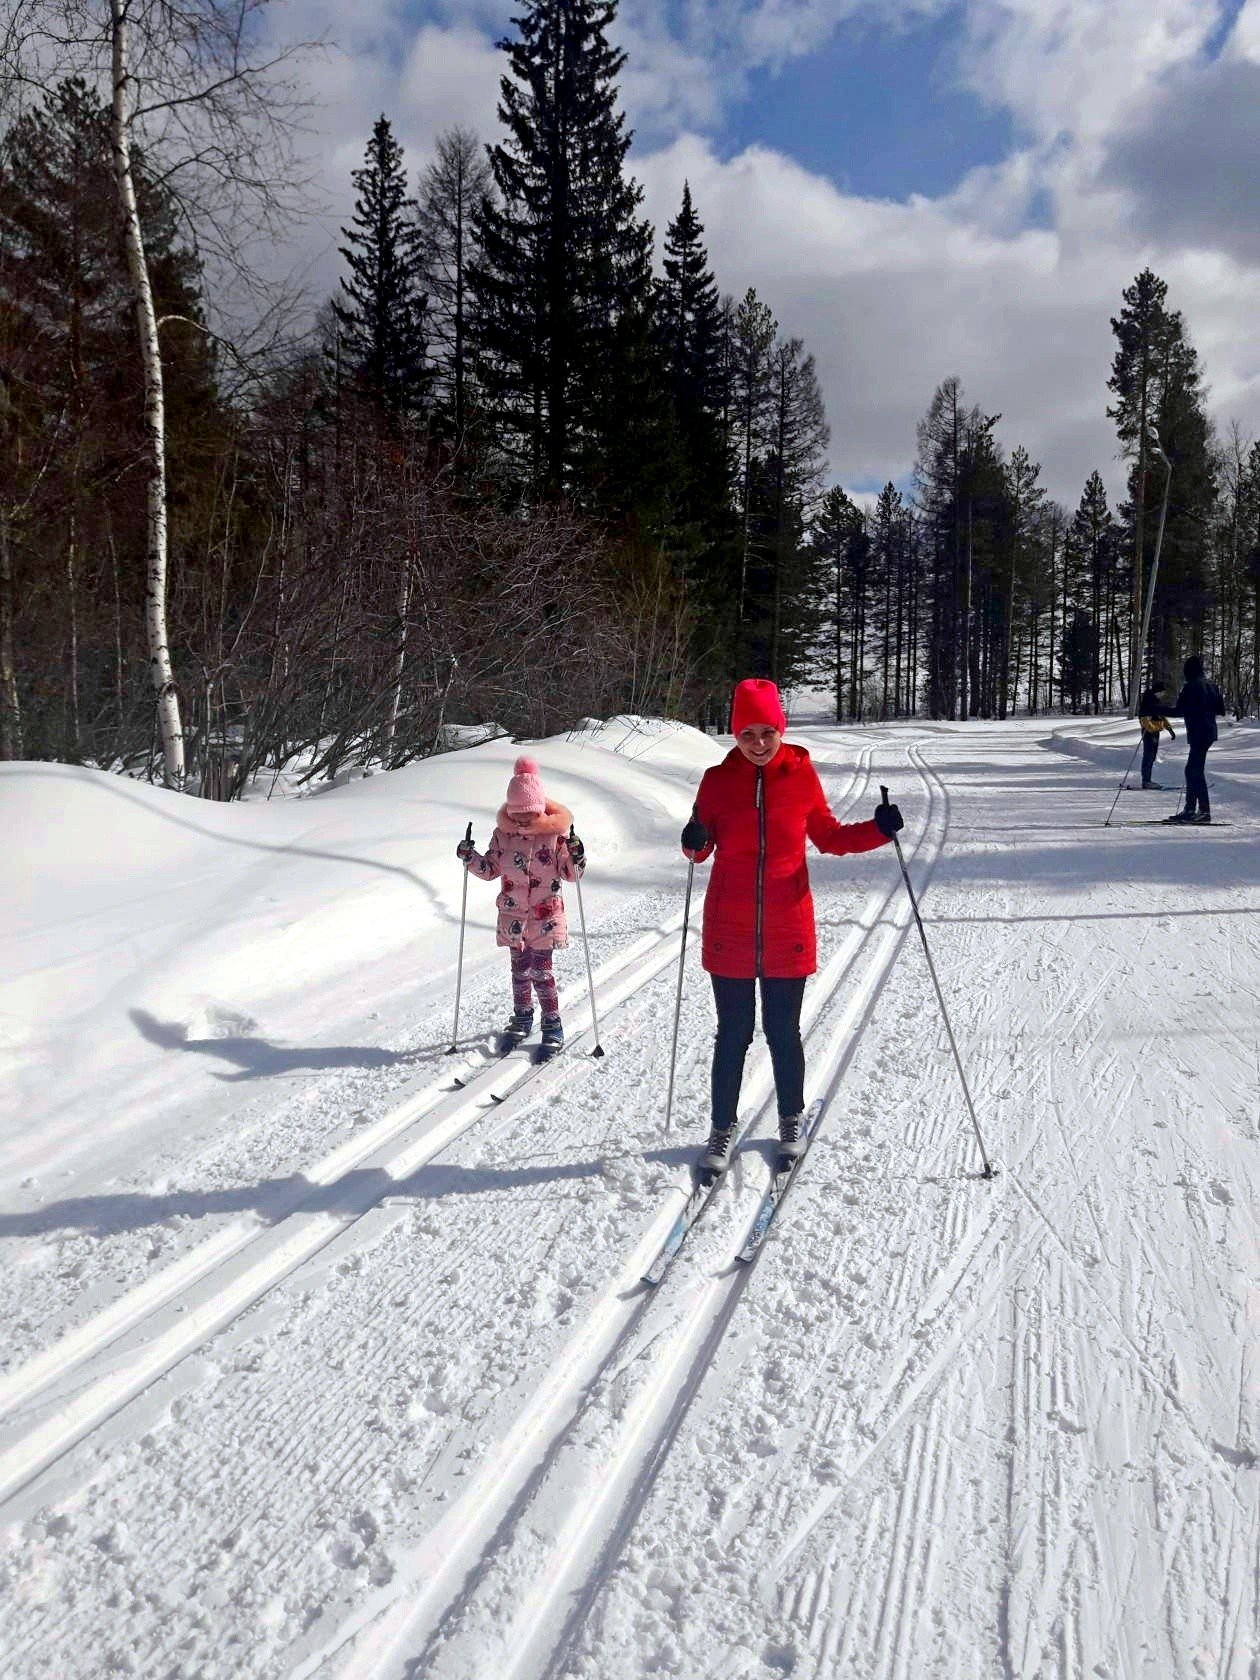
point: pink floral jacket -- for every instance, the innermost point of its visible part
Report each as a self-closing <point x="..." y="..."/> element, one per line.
<point x="530" y="863"/>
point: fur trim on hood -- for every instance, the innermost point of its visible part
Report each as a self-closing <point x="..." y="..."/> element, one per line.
<point x="556" y="819"/>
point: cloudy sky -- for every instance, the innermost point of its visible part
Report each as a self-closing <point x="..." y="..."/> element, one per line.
<point x="916" y="187"/>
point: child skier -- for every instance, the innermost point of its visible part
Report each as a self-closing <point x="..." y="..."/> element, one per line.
<point x="754" y="810"/>
<point x="530" y="854"/>
<point x="1153" y="722"/>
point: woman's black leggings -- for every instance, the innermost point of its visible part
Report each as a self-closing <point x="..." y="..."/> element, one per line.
<point x="781" y="1023"/>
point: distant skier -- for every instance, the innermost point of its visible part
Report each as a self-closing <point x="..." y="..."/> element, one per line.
<point x="531" y="855"/>
<point x="755" y="810"/>
<point x="1200" y="704"/>
<point x="1153" y="722"/>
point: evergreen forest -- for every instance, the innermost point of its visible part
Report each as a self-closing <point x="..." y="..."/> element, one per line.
<point x="532" y="462"/>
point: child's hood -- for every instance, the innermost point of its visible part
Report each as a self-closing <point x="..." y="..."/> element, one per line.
<point x="556" y="819"/>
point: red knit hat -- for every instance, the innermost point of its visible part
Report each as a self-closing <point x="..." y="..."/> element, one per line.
<point x="756" y="705"/>
<point x="525" y="790"/>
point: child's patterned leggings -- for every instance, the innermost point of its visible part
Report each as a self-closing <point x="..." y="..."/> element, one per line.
<point x="533" y="969"/>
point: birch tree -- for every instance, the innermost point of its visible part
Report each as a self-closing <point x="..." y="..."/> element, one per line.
<point x="190" y="83"/>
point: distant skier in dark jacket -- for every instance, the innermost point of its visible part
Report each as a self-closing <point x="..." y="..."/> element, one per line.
<point x="1151" y="717"/>
<point x="1200" y="704"/>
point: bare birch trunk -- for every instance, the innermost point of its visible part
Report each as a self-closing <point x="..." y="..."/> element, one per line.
<point x="400" y="658"/>
<point x="10" y="707"/>
<point x="168" y="716"/>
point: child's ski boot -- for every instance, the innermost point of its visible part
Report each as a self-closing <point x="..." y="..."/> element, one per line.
<point x="552" y="1038"/>
<point x="517" y="1030"/>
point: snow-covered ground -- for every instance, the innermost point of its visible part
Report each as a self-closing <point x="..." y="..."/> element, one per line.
<point x="318" y="1365"/>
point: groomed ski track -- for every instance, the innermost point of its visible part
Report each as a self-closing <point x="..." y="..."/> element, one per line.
<point x="425" y="1422"/>
<point x="581" y="1461"/>
<point x="183" y="1305"/>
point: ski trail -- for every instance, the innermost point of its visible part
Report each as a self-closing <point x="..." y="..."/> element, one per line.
<point x="585" y="1511"/>
<point x="181" y="1307"/>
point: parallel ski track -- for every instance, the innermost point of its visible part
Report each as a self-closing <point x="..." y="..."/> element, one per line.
<point x="59" y="1396"/>
<point x="221" y="1277"/>
<point x="414" y="1626"/>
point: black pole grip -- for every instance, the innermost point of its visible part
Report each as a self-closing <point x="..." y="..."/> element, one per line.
<point x="883" y="792"/>
<point x="468" y="835"/>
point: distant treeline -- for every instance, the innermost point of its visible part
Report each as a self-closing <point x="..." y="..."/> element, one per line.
<point x="522" y="472"/>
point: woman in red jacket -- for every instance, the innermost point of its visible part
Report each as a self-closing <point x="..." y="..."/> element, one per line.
<point x="754" y="811"/>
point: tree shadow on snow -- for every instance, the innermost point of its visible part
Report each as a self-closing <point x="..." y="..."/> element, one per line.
<point x="274" y="1199"/>
<point x="256" y="1058"/>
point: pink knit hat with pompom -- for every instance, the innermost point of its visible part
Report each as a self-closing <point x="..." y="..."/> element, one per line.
<point x="525" y="790"/>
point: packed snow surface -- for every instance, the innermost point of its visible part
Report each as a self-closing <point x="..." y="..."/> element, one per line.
<point x="326" y="1353"/>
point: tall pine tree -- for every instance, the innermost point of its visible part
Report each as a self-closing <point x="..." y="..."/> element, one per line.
<point x="381" y="313"/>
<point x="563" y="257"/>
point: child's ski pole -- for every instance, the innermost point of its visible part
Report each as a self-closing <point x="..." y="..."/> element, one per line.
<point x="586" y="946"/>
<point x="459" y="971"/>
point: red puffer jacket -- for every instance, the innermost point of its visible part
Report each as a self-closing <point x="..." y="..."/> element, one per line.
<point x="759" y="913"/>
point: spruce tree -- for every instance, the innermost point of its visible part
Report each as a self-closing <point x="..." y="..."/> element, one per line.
<point x="688" y="311"/>
<point x="563" y="257"/>
<point x="691" y="328"/>
<point x="753" y="336"/>
<point x="1137" y="329"/>
<point x="1025" y="498"/>
<point x="842" y="543"/>
<point x="1092" y="577"/>
<point x="1158" y="388"/>
<point x="381" y="313"/>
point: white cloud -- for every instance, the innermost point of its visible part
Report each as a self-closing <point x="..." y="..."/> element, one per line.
<point x="891" y="297"/>
<point x="1244" y="41"/>
<point x="450" y="76"/>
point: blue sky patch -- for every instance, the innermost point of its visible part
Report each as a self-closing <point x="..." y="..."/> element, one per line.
<point x="877" y="111"/>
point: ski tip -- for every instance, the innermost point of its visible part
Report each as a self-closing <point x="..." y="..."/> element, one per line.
<point x="497" y="1099"/>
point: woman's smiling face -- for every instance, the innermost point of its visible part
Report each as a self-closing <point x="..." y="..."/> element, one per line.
<point x="759" y="743"/>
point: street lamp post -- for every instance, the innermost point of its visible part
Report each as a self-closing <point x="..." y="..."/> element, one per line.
<point x="1135" y="681"/>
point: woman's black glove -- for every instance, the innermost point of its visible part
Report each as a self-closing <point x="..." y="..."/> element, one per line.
<point x="695" y="837"/>
<point x="888" y="819"/>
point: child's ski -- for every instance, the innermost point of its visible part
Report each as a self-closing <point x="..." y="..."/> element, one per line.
<point x="779" y="1187"/>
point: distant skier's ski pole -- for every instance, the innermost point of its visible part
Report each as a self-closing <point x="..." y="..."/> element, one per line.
<point x="940" y="998"/>
<point x="1120" y="789"/>
<point x="459" y="971"/>
<point x="586" y="946"/>
<point x="682" y="958"/>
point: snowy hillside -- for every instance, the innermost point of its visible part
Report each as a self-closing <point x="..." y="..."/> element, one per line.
<point x="317" y="1364"/>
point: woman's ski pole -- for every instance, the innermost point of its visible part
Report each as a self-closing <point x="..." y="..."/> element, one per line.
<point x="459" y="971"/>
<point x="1120" y="789"/>
<point x="586" y="946"/>
<point x="940" y="998"/>
<point x="682" y="958"/>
